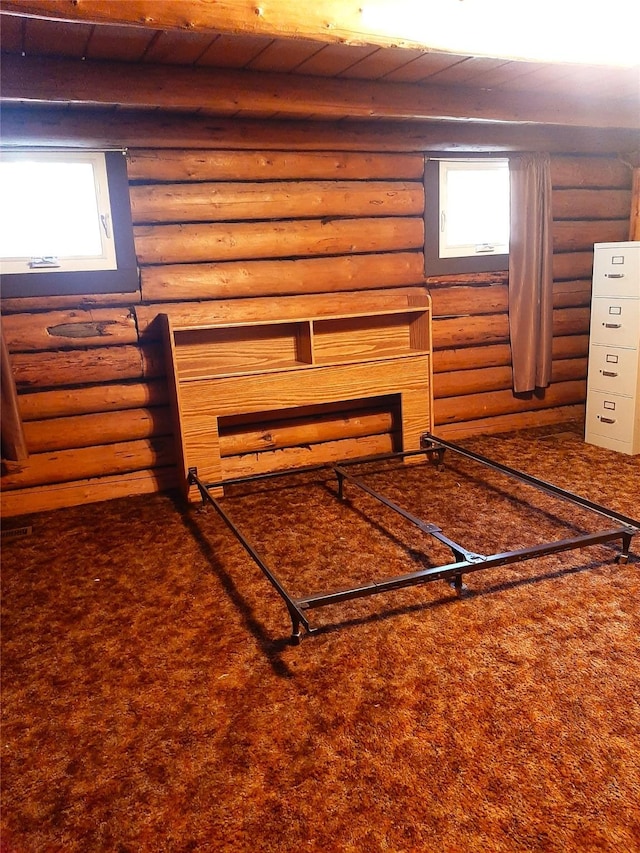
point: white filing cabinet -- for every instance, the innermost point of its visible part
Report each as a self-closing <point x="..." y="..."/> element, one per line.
<point x="613" y="389"/>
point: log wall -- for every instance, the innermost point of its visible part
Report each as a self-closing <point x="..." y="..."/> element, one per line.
<point x="223" y="235"/>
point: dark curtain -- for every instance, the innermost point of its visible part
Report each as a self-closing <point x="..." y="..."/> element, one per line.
<point x="530" y="271"/>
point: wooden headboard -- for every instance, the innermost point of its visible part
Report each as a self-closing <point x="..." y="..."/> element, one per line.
<point x="377" y="344"/>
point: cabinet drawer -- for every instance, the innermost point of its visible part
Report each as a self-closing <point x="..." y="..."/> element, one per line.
<point x="613" y="370"/>
<point x="613" y="416"/>
<point x="615" y="322"/>
<point x="616" y="269"/>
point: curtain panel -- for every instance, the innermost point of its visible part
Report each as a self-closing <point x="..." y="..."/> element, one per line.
<point x="530" y="271"/>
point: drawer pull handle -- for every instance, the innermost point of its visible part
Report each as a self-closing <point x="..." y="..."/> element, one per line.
<point x="612" y="325"/>
<point x="614" y="275"/>
<point x="608" y="373"/>
<point x="607" y="420"/>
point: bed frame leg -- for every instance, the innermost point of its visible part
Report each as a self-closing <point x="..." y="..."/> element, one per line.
<point x="296" y="633"/>
<point x="458" y="585"/>
<point x="623" y="557"/>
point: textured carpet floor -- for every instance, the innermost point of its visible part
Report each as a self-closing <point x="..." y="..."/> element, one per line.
<point x="151" y="702"/>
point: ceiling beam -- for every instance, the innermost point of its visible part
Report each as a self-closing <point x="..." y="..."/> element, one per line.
<point x="96" y="128"/>
<point x="343" y="21"/>
<point x="63" y="81"/>
<point x="440" y="25"/>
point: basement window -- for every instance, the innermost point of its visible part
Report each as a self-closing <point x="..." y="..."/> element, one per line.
<point x="466" y="215"/>
<point x="65" y="223"/>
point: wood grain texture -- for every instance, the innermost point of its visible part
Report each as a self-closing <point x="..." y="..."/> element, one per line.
<point x="208" y="165"/>
<point x="83" y="302"/>
<point x="591" y="203"/>
<point x="162" y="244"/>
<point x="165" y="131"/>
<point x="199" y="413"/>
<point x="224" y="91"/>
<point x="57" y="330"/>
<point x="492" y="403"/>
<point x="496" y="355"/>
<point x="92" y="399"/>
<point x="99" y="428"/>
<point x="458" y="383"/>
<point x="232" y="201"/>
<point x="303" y="431"/>
<point x="287" y="307"/>
<point x="577" y="236"/>
<point x="86" y="367"/>
<point x="85" y="462"/>
<point x="572" y="265"/>
<point x="43" y="498"/>
<point x="313" y="454"/>
<point x="589" y="172"/>
<point x="505" y="423"/>
<point x="277" y="277"/>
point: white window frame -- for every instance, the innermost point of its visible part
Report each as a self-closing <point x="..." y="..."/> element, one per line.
<point x="448" y="248"/>
<point x="106" y="258"/>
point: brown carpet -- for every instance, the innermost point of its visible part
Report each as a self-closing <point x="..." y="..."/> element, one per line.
<point x="151" y="702"/>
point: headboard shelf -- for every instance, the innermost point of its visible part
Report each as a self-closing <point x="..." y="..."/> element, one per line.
<point x="241" y="349"/>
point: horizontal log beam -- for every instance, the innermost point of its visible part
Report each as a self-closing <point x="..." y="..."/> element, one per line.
<point x="141" y="129"/>
<point x="315" y="454"/>
<point x="90" y="367"/>
<point x="507" y="423"/>
<point x="579" y="236"/>
<point x="170" y="244"/>
<point x="111" y="397"/>
<point x="65" y="433"/>
<point x="572" y="265"/>
<point x="108" y="84"/>
<point x="589" y="173"/>
<point x="462" y="382"/>
<point x="79" y="464"/>
<point x="69" y="329"/>
<point x="385" y="23"/>
<point x="220" y="202"/>
<point x="81" y="301"/>
<point x="206" y="165"/>
<point x="491" y="403"/>
<point x="300" y="431"/>
<point x="591" y="204"/>
<point x="460" y="300"/>
<point x="496" y="355"/>
<point x="233" y="279"/>
<point x="494" y="328"/>
<point x="77" y="493"/>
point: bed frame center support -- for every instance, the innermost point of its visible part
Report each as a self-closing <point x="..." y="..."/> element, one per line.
<point x="460" y="553"/>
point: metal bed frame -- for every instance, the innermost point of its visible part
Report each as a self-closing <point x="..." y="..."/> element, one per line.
<point x="464" y="560"/>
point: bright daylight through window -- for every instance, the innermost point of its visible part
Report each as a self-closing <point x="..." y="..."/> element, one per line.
<point x="474" y="208"/>
<point x="55" y="213"/>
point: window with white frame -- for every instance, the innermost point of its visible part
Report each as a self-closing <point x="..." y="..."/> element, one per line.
<point x="474" y="208"/>
<point x="65" y="223"/>
<point x="466" y="215"/>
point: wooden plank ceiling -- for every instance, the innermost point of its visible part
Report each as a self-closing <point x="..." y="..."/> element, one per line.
<point x="253" y="74"/>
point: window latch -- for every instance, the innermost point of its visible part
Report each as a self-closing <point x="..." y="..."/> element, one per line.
<point x="44" y="263"/>
<point x="484" y="248"/>
<point x="105" y="224"/>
